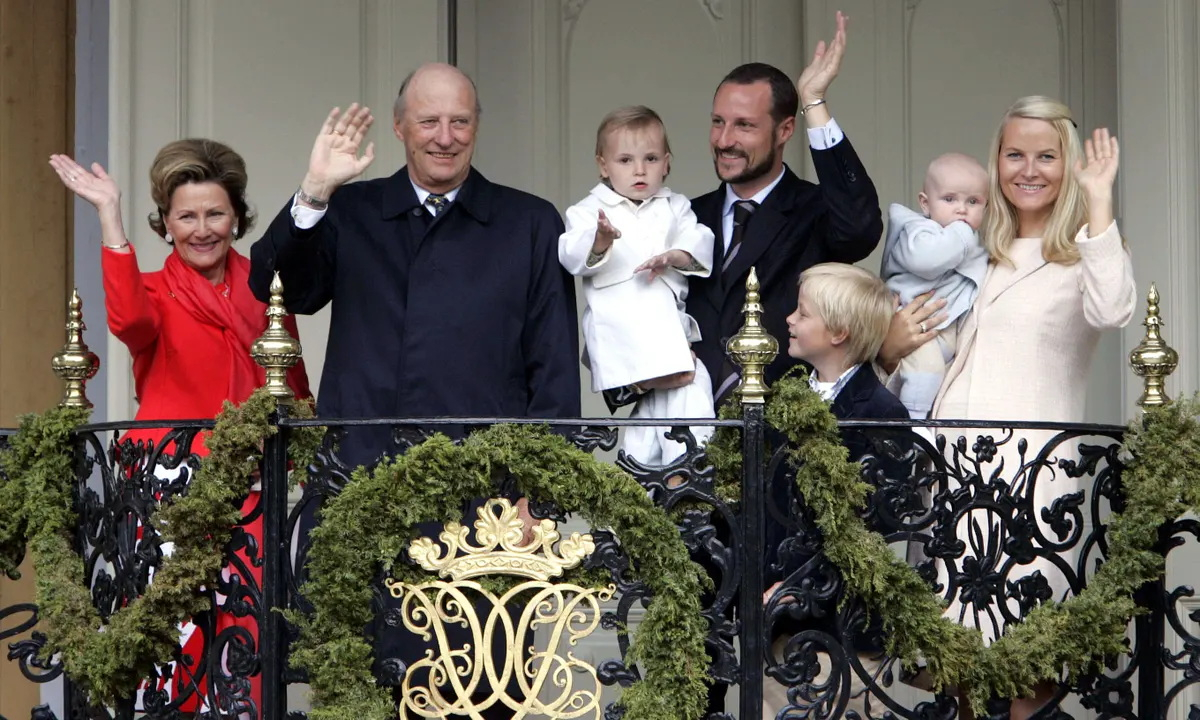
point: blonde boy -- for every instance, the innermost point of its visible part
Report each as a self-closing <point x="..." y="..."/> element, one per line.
<point x="842" y="314"/>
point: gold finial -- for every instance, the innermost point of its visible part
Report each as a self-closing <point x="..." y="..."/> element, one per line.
<point x="752" y="348"/>
<point x="276" y="350"/>
<point x="1153" y="359"/>
<point x="75" y="364"/>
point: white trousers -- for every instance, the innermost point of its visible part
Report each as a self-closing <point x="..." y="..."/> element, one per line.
<point x="649" y="445"/>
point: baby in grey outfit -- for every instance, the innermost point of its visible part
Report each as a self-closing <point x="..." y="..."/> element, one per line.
<point x="937" y="249"/>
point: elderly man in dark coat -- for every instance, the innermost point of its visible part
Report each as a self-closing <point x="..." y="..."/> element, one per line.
<point x="448" y="298"/>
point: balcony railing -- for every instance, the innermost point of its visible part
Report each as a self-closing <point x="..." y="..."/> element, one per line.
<point x="964" y="503"/>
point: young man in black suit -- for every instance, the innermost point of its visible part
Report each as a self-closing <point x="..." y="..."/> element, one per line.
<point x="764" y="215"/>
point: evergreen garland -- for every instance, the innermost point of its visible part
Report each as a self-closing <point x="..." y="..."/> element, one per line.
<point x="1161" y="482"/>
<point x="36" y="507"/>
<point x="374" y="518"/>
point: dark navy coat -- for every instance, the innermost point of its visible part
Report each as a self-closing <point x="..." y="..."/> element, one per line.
<point x="467" y="314"/>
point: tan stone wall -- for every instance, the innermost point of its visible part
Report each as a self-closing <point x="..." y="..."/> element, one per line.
<point x="36" y="111"/>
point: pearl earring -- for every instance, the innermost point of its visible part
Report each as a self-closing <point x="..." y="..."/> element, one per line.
<point x="170" y="240"/>
<point x="235" y="229"/>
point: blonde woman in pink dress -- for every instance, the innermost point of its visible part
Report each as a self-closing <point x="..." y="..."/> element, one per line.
<point x="1059" y="275"/>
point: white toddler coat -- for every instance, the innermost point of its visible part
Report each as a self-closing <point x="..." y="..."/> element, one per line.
<point x="635" y="328"/>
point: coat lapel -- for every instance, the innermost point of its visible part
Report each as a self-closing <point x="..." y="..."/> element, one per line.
<point x="856" y="391"/>
<point x="1012" y="280"/>
<point x="765" y="225"/>
<point x="970" y="326"/>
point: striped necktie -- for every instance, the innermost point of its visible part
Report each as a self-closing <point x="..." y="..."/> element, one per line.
<point x="742" y="210"/>
<point x="730" y="374"/>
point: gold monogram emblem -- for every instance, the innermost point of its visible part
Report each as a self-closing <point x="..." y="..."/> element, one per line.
<point x="467" y="678"/>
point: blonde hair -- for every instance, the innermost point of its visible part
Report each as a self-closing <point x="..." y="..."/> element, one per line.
<point x="631" y="117"/>
<point x="1070" y="208"/>
<point x="851" y="300"/>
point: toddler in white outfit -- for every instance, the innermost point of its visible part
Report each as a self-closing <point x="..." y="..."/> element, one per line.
<point x="634" y="242"/>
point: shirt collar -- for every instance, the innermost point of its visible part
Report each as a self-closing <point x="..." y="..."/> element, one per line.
<point x="829" y="390"/>
<point x="423" y="194"/>
<point x="401" y="194"/>
<point x="758" y="197"/>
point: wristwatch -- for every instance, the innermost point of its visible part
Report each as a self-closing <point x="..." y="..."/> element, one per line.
<point x="312" y="201"/>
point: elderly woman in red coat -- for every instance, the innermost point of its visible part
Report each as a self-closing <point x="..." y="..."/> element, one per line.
<point x="190" y="325"/>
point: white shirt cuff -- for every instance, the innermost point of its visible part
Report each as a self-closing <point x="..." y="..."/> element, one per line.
<point x="826" y="136"/>
<point x="303" y="216"/>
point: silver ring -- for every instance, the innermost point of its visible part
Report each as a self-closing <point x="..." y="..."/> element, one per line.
<point x="72" y="177"/>
<point x="923" y="330"/>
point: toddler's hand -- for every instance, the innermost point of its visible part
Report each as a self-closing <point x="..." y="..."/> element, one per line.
<point x="658" y="264"/>
<point x="605" y="234"/>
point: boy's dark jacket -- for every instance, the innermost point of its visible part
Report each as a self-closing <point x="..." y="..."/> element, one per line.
<point x="862" y="398"/>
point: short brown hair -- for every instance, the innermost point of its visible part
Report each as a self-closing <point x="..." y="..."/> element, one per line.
<point x="198" y="160"/>
<point x="631" y="117"/>
<point x="851" y="300"/>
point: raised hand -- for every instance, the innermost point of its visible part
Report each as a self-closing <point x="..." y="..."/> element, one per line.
<point x="1102" y="156"/>
<point x="99" y="189"/>
<point x="605" y="234"/>
<point x="95" y="185"/>
<point x="1096" y="178"/>
<point x="827" y="60"/>
<point x="334" y="160"/>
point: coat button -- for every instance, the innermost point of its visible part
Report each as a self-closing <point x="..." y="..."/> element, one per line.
<point x="852" y="176"/>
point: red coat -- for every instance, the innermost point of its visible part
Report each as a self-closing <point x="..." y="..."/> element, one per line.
<point x="181" y="365"/>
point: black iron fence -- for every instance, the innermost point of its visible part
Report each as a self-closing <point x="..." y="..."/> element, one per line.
<point x="996" y="517"/>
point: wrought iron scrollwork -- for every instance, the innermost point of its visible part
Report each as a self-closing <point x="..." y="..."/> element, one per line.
<point x="998" y="520"/>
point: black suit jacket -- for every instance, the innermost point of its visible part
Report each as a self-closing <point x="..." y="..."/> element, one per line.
<point x="798" y="225"/>
<point x="863" y="397"/>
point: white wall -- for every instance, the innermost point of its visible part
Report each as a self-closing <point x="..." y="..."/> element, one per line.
<point x="259" y="76"/>
<point x="921" y="77"/>
<point x="1160" y="168"/>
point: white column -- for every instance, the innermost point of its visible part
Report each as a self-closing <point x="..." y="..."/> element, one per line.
<point x="1160" y="170"/>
